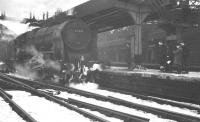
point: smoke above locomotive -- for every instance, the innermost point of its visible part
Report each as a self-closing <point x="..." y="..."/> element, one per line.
<point x="49" y="49"/>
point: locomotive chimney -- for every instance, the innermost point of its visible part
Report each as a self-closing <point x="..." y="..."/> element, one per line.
<point x="30" y="15"/>
<point x="43" y="16"/>
<point x="47" y="15"/>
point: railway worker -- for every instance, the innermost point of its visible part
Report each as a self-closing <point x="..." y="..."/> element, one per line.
<point x="68" y="73"/>
<point x="178" y="56"/>
<point x="162" y="51"/>
<point x="151" y="56"/>
<point x="186" y="54"/>
<point x="82" y="63"/>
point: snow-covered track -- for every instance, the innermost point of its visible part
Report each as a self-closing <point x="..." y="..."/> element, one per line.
<point x="163" y="113"/>
<point x="39" y="93"/>
<point x="109" y="112"/>
<point x="180" y="104"/>
<point x="124" y="116"/>
<point x="116" y="114"/>
<point x="16" y="107"/>
<point x="156" y="99"/>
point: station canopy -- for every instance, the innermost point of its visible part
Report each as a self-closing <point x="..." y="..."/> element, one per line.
<point x="109" y="14"/>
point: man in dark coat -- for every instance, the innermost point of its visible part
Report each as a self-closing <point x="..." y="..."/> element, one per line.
<point x="186" y="54"/>
<point x="178" y="56"/>
<point x="169" y="58"/>
<point x="128" y="55"/>
<point x="162" y="55"/>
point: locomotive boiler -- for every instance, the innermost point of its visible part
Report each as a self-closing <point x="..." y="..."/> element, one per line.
<point x="48" y="50"/>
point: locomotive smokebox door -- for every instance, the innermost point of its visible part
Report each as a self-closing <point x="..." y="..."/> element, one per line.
<point x="76" y="35"/>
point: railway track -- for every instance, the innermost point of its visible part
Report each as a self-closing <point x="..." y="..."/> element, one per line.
<point x="15" y="107"/>
<point x="140" y="96"/>
<point x="160" y="112"/>
<point x="156" y="99"/>
<point x="109" y="112"/>
<point x="68" y="103"/>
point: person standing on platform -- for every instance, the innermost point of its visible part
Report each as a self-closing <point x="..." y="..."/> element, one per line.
<point x="151" y="56"/>
<point x="162" y="55"/>
<point x="178" y="56"/>
<point x="185" y="57"/>
<point x="128" y="55"/>
<point x="169" y="58"/>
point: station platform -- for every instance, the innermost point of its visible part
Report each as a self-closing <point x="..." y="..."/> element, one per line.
<point x="182" y="87"/>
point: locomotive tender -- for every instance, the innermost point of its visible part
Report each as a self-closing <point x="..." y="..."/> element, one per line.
<point x="51" y="48"/>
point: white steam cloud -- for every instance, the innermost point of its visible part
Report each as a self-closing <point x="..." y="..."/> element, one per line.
<point x="38" y="58"/>
<point x="29" y="68"/>
<point x="26" y="71"/>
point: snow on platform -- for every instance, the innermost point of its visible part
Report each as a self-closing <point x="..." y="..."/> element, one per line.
<point x="191" y="76"/>
<point x="19" y="76"/>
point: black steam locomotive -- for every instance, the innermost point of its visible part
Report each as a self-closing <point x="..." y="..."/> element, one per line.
<point x="49" y="50"/>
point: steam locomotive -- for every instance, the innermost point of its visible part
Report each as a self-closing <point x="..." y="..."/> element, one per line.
<point x="54" y="50"/>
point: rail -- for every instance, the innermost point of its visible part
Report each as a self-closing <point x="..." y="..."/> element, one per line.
<point x="151" y="98"/>
<point x="16" y="107"/>
<point x="163" y="113"/>
<point x="117" y="114"/>
<point x="36" y="92"/>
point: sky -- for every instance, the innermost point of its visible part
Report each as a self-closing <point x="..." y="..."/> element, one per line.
<point x="21" y="8"/>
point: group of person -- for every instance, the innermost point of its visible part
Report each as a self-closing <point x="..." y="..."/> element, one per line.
<point x="173" y="59"/>
<point x="81" y="72"/>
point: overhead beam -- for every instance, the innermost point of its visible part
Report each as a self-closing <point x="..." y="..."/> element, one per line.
<point x="133" y="7"/>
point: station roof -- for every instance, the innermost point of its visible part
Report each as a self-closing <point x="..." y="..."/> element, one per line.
<point x="108" y="14"/>
<point x="102" y="14"/>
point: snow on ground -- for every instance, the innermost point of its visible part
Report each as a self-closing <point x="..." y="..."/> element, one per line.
<point x="111" y="119"/>
<point x="184" y="103"/>
<point x="153" y="118"/>
<point x="136" y="100"/>
<point x="121" y="68"/>
<point x="15" y="26"/>
<point x="19" y="76"/>
<point x="44" y="110"/>
<point x="88" y="86"/>
<point x="7" y="114"/>
<point x="67" y="95"/>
